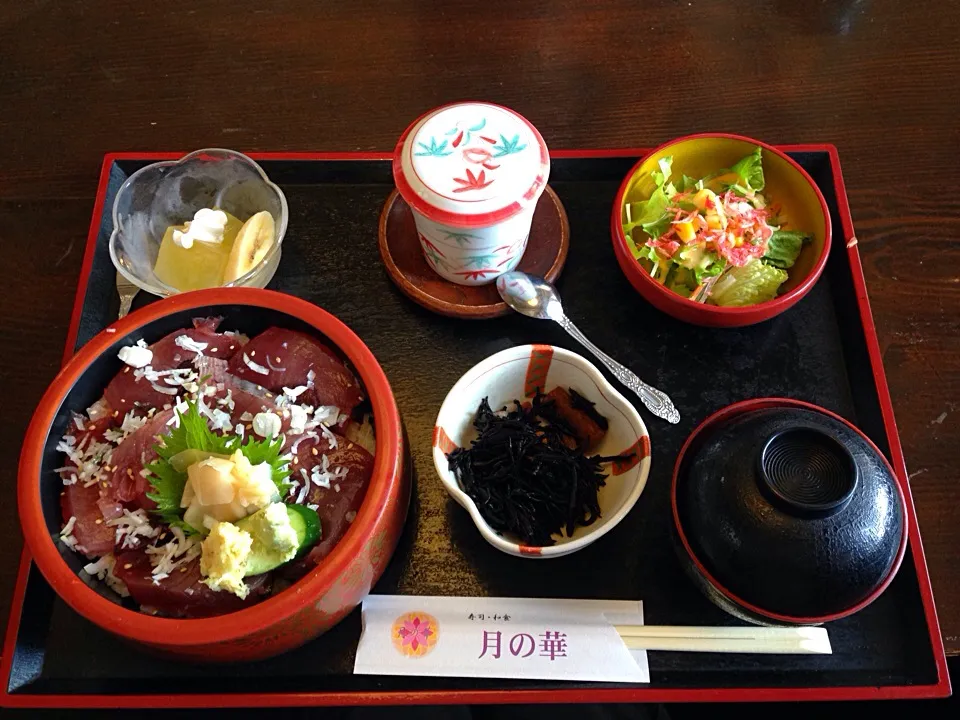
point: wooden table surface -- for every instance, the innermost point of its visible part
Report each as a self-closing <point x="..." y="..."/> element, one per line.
<point x="878" y="78"/>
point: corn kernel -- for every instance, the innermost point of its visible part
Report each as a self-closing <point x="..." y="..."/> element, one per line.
<point x="705" y="199"/>
<point x="685" y="231"/>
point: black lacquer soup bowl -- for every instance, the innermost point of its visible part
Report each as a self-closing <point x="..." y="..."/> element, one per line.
<point x="785" y="513"/>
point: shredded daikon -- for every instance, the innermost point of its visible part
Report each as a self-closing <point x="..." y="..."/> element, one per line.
<point x="256" y="367"/>
<point x="188" y="343"/>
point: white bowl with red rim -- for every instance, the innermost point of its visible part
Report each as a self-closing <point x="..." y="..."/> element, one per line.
<point x="514" y="374"/>
<point x="472" y="174"/>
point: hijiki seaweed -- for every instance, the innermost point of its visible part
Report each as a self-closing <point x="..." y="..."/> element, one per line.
<point x="528" y="473"/>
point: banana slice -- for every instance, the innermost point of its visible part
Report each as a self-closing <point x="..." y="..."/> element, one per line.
<point x="252" y="244"/>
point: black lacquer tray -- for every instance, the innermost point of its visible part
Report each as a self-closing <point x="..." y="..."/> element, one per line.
<point x="823" y="351"/>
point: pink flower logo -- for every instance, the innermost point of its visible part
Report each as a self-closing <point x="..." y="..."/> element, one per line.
<point x="414" y="634"/>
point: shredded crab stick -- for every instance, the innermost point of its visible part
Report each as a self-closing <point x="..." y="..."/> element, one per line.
<point x="727" y="224"/>
<point x="715" y="239"/>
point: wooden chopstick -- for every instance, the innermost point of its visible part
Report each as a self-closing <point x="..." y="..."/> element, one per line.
<point x="799" y="640"/>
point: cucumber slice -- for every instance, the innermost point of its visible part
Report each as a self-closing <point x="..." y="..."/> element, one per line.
<point x="259" y="562"/>
<point x="271" y="538"/>
<point x="306" y="523"/>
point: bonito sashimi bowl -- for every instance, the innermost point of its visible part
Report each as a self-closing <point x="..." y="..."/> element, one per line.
<point x="201" y="471"/>
<point x="217" y="466"/>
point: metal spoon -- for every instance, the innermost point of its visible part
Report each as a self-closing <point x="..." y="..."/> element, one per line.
<point x="536" y="298"/>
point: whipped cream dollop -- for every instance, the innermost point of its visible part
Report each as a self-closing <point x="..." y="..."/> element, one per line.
<point x="207" y="226"/>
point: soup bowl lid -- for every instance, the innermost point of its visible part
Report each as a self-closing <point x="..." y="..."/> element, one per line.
<point x="789" y="511"/>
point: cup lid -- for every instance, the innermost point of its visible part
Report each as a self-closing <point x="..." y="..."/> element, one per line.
<point x="471" y="164"/>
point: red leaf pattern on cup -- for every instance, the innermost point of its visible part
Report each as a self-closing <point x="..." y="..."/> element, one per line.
<point x="472" y="182"/>
<point x="423" y="239"/>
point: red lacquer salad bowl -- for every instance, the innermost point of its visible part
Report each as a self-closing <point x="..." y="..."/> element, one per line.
<point x="708" y="247"/>
<point x="114" y="548"/>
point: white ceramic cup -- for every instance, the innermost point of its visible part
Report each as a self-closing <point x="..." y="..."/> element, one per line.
<point x="474" y="256"/>
<point x="472" y="174"/>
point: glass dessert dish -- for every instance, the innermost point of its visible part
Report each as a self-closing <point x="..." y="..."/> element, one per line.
<point x="154" y="206"/>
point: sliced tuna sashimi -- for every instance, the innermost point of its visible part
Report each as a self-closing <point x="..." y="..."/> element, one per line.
<point x="126" y="390"/>
<point x="94" y="537"/>
<point x="182" y="594"/>
<point x="92" y="436"/>
<point x="168" y="354"/>
<point x="110" y="509"/>
<point x="338" y="504"/>
<point x="126" y="484"/>
<point x="212" y="370"/>
<point x="288" y="356"/>
<point x="94" y="429"/>
<point x="241" y="399"/>
<point x="245" y="396"/>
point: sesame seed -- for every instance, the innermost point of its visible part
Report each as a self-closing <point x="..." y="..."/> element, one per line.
<point x="127" y="566"/>
<point x="129" y="472"/>
<point x="230" y="348"/>
<point x="269" y="395"/>
<point x="296" y="460"/>
<point x="126" y="369"/>
<point x="183" y="569"/>
<point x="98" y="521"/>
<point x="253" y="353"/>
<point x="104" y="484"/>
<point x="213" y="349"/>
<point x="278" y="359"/>
<point x="350" y="446"/>
<point x="115" y="413"/>
<point x="314" y="451"/>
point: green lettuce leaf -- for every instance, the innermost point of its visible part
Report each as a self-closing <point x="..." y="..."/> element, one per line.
<point x="713" y="267"/>
<point x="687" y="183"/>
<point x="655" y="220"/>
<point x="784" y="248"/>
<point x="755" y="282"/>
<point x="643" y="252"/>
<point x="680" y="280"/>
<point x="662" y="174"/>
<point x="651" y="216"/>
<point x="750" y="170"/>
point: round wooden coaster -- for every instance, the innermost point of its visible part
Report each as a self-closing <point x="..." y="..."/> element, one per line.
<point x="400" y="249"/>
